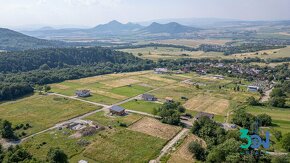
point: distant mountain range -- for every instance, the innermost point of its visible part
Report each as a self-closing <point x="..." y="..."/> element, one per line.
<point x="113" y="28"/>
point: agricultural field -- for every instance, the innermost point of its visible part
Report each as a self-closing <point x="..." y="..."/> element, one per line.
<point x="42" y="111"/>
<point x="155" y="128"/>
<point x="105" y="145"/>
<point x="113" y="88"/>
<point x="193" y="43"/>
<point x="140" y="105"/>
<point x="154" y="53"/>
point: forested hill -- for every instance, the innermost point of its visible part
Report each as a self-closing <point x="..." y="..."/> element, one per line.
<point x="11" y="41"/>
<point x="20" y="71"/>
<point x="61" y="57"/>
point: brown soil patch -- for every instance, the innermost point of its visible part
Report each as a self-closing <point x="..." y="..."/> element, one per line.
<point x="208" y="104"/>
<point x="182" y="155"/>
<point x="154" y="127"/>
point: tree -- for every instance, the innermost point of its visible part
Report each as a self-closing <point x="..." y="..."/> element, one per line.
<point x="286" y="142"/>
<point x="6" y="130"/>
<point x="47" y="88"/>
<point x="277" y="134"/>
<point x="242" y="118"/>
<point x="18" y="154"/>
<point x="252" y="101"/>
<point x="277" y="92"/>
<point x="198" y="151"/>
<point x="56" y="155"/>
<point x="170" y="112"/>
<point x="264" y="120"/>
<point x="278" y="102"/>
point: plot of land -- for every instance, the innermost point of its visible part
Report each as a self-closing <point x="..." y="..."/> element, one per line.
<point x="208" y="104"/>
<point x="280" y="117"/>
<point x="182" y="155"/>
<point x="143" y="106"/>
<point x="42" y="112"/>
<point x="192" y="43"/>
<point x="124" y="146"/>
<point x="155" y="128"/>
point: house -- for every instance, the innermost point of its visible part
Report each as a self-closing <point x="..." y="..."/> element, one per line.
<point x="148" y="97"/>
<point x="83" y="93"/>
<point x="161" y="70"/>
<point x="169" y="99"/>
<point x="203" y="114"/>
<point x="117" y="110"/>
<point x="252" y="88"/>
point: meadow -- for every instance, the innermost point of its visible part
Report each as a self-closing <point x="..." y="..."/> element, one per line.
<point x="143" y="106"/>
<point x="115" y="144"/>
<point x="42" y="111"/>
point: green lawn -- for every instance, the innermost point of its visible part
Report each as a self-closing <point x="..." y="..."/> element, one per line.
<point x="106" y="120"/>
<point x="42" y="112"/>
<point x="130" y="91"/>
<point x="125" y="146"/>
<point x="101" y="99"/>
<point x="143" y="106"/>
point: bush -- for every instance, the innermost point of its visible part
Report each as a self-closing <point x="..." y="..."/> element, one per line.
<point x="286" y="142"/>
<point x="198" y="151"/>
<point x="264" y="120"/>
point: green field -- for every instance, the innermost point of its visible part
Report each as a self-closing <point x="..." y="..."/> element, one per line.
<point x="42" y="112"/>
<point x="174" y="53"/>
<point x="113" y="88"/>
<point x="143" y="106"/>
<point x="105" y="146"/>
<point x="280" y="117"/>
<point x="125" y="146"/>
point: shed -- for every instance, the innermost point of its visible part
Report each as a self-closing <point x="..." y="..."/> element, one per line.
<point x="169" y="99"/>
<point x="118" y="110"/>
<point x="148" y="97"/>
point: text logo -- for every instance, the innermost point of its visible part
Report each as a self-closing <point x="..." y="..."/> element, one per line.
<point x="254" y="141"/>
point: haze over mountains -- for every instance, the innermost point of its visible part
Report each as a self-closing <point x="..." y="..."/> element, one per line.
<point x="113" y="28"/>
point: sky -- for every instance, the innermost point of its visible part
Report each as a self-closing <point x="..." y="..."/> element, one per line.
<point x="90" y="13"/>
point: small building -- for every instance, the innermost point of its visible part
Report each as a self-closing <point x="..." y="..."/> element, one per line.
<point x="253" y="88"/>
<point x="169" y="99"/>
<point x="83" y="93"/>
<point x="118" y="110"/>
<point x="203" y="114"/>
<point x="218" y="77"/>
<point x="148" y="97"/>
<point x="161" y="70"/>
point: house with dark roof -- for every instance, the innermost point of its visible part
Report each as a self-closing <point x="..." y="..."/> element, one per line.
<point x="83" y="93"/>
<point x="118" y="110"/>
<point x="148" y="97"/>
<point x="203" y="114"/>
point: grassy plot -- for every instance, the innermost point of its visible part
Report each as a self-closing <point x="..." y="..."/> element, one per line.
<point x="130" y="90"/>
<point x="143" y="106"/>
<point x="104" y="119"/>
<point x="280" y="117"/>
<point x="42" y="112"/>
<point x="125" y="146"/>
<point x="39" y="145"/>
<point x="155" y="128"/>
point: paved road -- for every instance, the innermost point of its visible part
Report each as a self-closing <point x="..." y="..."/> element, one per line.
<point x="171" y="143"/>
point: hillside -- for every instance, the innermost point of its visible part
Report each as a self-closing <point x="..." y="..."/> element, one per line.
<point x="171" y="28"/>
<point x="11" y="40"/>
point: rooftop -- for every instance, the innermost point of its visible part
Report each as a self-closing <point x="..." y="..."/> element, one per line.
<point x="117" y="108"/>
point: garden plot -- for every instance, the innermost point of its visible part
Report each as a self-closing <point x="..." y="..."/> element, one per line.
<point x="155" y="128"/>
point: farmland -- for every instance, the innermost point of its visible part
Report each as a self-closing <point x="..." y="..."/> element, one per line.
<point x="42" y="112"/>
<point x="144" y="106"/>
<point x="105" y="146"/>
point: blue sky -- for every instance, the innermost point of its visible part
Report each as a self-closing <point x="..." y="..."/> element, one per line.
<point x="93" y="12"/>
